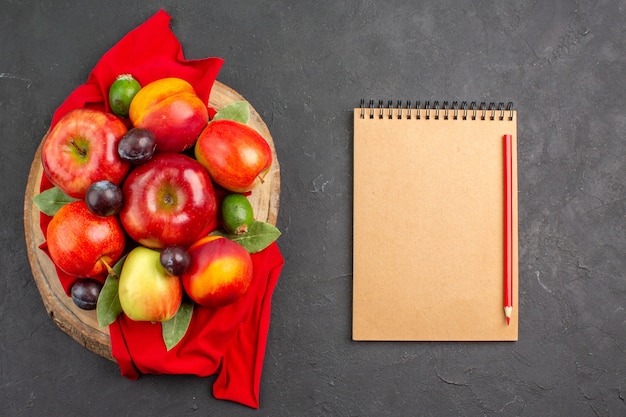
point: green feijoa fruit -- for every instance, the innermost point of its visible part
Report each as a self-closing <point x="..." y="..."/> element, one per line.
<point x="121" y="93"/>
<point x="237" y="214"/>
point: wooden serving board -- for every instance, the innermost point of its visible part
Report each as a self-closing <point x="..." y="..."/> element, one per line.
<point x="82" y="325"/>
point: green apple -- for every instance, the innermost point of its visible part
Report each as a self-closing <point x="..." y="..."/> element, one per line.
<point x="147" y="292"/>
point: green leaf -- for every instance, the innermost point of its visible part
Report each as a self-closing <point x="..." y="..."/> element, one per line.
<point x="174" y="329"/>
<point x="109" y="307"/>
<point x="259" y="236"/>
<point x="51" y="200"/>
<point x="238" y="111"/>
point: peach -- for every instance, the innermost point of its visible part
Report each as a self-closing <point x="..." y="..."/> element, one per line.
<point x="219" y="273"/>
<point x="172" y="111"/>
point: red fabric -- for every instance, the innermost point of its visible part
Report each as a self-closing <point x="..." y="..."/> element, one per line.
<point x="149" y="52"/>
<point x="229" y="341"/>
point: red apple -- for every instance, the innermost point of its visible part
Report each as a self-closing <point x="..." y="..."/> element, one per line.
<point x="147" y="292"/>
<point x="236" y="155"/>
<point x="83" y="244"/>
<point x="169" y="200"/>
<point x="219" y="273"/>
<point x="82" y="149"/>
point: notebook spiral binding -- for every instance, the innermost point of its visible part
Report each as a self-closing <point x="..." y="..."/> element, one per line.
<point x="455" y="111"/>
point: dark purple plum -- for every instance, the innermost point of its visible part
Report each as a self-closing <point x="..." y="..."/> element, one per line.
<point x="85" y="292"/>
<point x="103" y="198"/>
<point x="175" y="260"/>
<point x="137" y="146"/>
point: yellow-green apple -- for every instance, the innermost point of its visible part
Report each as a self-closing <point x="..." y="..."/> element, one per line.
<point x="169" y="108"/>
<point x="219" y="273"/>
<point x="169" y="200"/>
<point x="82" y="149"/>
<point x="83" y="244"/>
<point x="146" y="291"/>
<point x="236" y="155"/>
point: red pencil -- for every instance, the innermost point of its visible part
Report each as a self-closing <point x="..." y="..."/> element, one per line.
<point x="508" y="229"/>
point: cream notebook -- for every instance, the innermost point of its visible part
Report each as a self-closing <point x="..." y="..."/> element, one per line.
<point x="428" y="231"/>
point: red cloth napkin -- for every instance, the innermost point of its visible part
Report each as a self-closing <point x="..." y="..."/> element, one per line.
<point x="149" y="52"/>
<point x="229" y="341"/>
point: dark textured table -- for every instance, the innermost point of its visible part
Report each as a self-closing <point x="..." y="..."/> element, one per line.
<point x="304" y="66"/>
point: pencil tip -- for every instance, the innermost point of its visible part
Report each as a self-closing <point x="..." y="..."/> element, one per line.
<point x="508" y="312"/>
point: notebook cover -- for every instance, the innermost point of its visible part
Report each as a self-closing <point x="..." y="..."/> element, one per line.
<point x="428" y="228"/>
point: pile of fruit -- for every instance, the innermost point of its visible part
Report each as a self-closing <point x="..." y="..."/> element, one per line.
<point x="148" y="204"/>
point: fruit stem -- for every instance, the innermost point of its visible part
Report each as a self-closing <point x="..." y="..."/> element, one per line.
<point x="125" y="77"/>
<point x="261" y="176"/>
<point x="80" y="150"/>
<point x="108" y="267"/>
